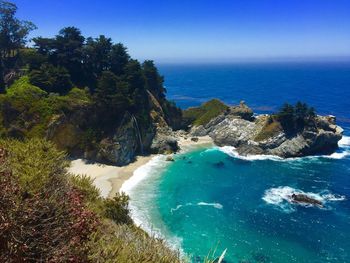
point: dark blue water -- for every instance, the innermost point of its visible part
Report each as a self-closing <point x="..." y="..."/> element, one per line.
<point x="210" y="200"/>
<point x="264" y="86"/>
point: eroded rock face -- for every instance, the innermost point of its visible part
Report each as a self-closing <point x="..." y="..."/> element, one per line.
<point x="230" y="129"/>
<point x="120" y="149"/>
<point x="164" y="142"/>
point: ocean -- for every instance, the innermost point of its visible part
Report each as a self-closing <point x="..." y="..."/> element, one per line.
<point x="211" y="199"/>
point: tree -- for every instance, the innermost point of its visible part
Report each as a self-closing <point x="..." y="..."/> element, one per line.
<point x="69" y="52"/>
<point x="286" y="117"/>
<point x="153" y="80"/>
<point x="110" y="100"/>
<point x="13" y="36"/>
<point x="119" y="59"/>
<point x="51" y="79"/>
<point x="300" y="115"/>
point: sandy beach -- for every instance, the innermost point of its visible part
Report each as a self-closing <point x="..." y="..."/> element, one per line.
<point x="109" y="179"/>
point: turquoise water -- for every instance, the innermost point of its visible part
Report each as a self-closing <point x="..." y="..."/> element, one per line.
<point x="210" y="198"/>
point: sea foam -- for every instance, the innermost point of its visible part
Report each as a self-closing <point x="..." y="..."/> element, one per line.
<point x="214" y="205"/>
<point x="281" y="197"/>
<point x="139" y="207"/>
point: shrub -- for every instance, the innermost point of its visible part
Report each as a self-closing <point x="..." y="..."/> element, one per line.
<point x="128" y="244"/>
<point x="49" y="223"/>
<point x="34" y="162"/>
<point x="117" y="209"/>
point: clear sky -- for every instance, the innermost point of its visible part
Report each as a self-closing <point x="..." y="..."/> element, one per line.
<point x="204" y="30"/>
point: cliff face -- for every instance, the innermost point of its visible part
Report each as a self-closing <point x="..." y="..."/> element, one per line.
<point x="129" y="138"/>
<point x="259" y="135"/>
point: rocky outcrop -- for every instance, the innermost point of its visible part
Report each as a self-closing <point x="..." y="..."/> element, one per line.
<point x="121" y="148"/>
<point x="305" y="199"/>
<point x="242" y="110"/>
<point x="164" y="142"/>
<point x="241" y="130"/>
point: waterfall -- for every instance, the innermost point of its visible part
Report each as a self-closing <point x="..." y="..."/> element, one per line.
<point x="136" y="125"/>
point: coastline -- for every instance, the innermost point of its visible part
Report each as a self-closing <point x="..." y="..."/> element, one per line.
<point x="109" y="179"/>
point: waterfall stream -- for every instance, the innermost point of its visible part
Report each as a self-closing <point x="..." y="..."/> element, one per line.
<point x="136" y="125"/>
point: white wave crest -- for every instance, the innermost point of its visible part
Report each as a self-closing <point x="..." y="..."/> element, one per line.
<point x="138" y="210"/>
<point x="215" y="205"/>
<point x="231" y="151"/>
<point x="282" y="197"/>
<point x="344" y="141"/>
<point x="344" y="145"/>
<point x="142" y="172"/>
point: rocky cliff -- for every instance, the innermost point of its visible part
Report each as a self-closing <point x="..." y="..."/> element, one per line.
<point x="255" y="135"/>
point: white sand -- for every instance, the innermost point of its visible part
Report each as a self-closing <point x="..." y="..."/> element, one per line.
<point x="109" y="179"/>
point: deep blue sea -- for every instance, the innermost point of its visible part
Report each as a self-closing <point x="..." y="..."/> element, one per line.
<point x="210" y="199"/>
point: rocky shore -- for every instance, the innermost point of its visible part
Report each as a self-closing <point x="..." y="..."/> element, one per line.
<point x="256" y="135"/>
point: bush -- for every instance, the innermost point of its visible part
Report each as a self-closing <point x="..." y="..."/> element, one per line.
<point x="117" y="209"/>
<point x="43" y="217"/>
<point x="34" y="162"/>
<point x="128" y="244"/>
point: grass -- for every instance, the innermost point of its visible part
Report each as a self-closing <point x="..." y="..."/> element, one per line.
<point x="205" y="113"/>
<point x="270" y="129"/>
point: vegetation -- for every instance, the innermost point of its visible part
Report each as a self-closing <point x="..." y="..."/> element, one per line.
<point x="290" y="119"/>
<point x="295" y="118"/>
<point x="69" y="75"/>
<point x="270" y="129"/>
<point x="203" y="114"/>
<point x="47" y="215"/>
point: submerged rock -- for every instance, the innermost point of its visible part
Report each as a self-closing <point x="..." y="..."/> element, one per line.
<point x="219" y="164"/>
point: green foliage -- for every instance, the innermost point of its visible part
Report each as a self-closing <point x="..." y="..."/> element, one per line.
<point x="22" y="88"/>
<point x="128" y="244"/>
<point x="84" y="184"/>
<point x="295" y="118"/>
<point x="117" y="209"/>
<point x="51" y="79"/>
<point x="13" y="36"/>
<point x="34" y="162"/>
<point x="203" y="114"/>
<point x="43" y="217"/>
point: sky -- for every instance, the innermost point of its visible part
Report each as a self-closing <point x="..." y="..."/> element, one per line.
<point x="204" y="30"/>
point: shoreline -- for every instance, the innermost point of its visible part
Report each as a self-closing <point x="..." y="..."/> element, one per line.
<point x="109" y="179"/>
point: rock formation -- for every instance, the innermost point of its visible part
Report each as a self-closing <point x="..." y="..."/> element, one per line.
<point x="256" y="135"/>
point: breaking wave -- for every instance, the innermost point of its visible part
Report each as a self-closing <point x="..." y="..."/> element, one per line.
<point x="281" y="197"/>
<point x="215" y="205"/>
<point x="344" y="151"/>
<point x="140" y="206"/>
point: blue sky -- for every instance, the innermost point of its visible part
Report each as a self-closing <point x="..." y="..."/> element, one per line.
<point x="203" y="30"/>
